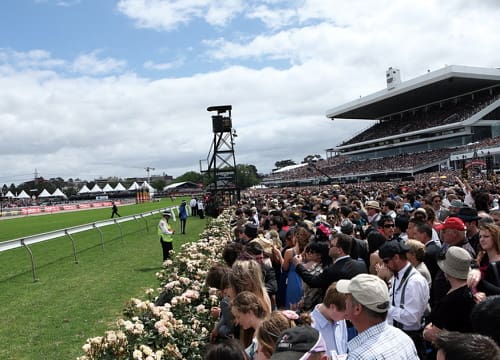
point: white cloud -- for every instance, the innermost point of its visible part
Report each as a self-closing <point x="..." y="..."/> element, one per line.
<point x="169" y="14"/>
<point x="68" y="3"/>
<point x="273" y="18"/>
<point x="377" y="34"/>
<point x="81" y="126"/>
<point x="163" y="66"/>
<point x="36" y="59"/>
<point x="93" y="65"/>
<point x="221" y="12"/>
<point x="109" y="126"/>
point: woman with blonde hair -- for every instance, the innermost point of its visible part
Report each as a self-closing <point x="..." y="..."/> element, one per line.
<point x="247" y="275"/>
<point x="268" y="333"/>
<point x="249" y="311"/>
<point x="416" y="258"/>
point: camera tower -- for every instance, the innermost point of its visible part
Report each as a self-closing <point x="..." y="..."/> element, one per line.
<point x="221" y="162"/>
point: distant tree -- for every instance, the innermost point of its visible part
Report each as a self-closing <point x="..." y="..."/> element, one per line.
<point x="246" y="176"/>
<point x="70" y="190"/>
<point x="190" y="176"/>
<point x="310" y="158"/>
<point x="282" y="163"/>
<point x="159" y="184"/>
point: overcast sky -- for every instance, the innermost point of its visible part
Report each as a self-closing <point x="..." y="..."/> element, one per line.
<point x="94" y="88"/>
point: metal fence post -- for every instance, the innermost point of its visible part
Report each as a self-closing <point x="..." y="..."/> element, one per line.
<point x="72" y="243"/>
<point x="33" y="268"/>
<point x="120" y="227"/>
<point x="100" y="234"/>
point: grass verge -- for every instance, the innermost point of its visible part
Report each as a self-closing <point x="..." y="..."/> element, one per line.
<point x="52" y="318"/>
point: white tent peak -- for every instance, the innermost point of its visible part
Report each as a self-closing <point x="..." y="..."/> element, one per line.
<point x="44" y="193"/>
<point x="134" y="186"/>
<point x="59" y="193"/>
<point x="23" y="195"/>
<point x="149" y="187"/>
<point x="9" y="194"/>
<point x="119" y="187"/>
<point x="84" y="190"/>
<point x="107" y="188"/>
<point x="96" y="189"/>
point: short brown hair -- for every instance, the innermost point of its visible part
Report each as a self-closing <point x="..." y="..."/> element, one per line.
<point x="218" y="276"/>
<point x="333" y="297"/>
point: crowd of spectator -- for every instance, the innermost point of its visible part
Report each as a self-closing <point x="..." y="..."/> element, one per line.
<point x="429" y="116"/>
<point x="369" y="270"/>
<point x="342" y="165"/>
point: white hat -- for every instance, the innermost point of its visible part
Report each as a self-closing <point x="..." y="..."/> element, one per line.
<point x="167" y="212"/>
<point x="369" y="290"/>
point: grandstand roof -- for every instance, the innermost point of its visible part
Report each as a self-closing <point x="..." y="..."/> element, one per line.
<point x="289" y="167"/>
<point x="448" y="82"/>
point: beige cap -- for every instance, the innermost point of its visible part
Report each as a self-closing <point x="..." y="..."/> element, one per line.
<point x="369" y="290"/>
<point x="372" y="204"/>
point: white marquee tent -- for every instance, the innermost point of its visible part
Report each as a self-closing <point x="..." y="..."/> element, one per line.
<point x="96" y="189"/>
<point x="84" y="190"/>
<point x="134" y="186"/>
<point x="23" y="195"/>
<point x="9" y="195"/>
<point x="120" y="187"/>
<point x="107" y="188"/>
<point x="149" y="187"/>
<point x="44" y="193"/>
<point x="59" y="193"/>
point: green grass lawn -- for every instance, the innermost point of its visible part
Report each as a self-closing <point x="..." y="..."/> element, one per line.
<point x="52" y="318"/>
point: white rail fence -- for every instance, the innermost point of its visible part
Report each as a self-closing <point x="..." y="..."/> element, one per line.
<point x="26" y="241"/>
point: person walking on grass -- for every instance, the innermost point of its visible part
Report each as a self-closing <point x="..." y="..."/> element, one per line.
<point x="114" y="211"/>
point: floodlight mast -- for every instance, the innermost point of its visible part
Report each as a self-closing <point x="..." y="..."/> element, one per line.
<point x="148" y="169"/>
<point x="221" y="161"/>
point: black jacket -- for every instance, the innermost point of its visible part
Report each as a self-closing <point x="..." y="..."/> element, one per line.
<point x="345" y="268"/>
<point x="269" y="277"/>
<point x="432" y="251"/>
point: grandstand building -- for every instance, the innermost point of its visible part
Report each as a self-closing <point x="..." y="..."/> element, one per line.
<point x="444" y="119"/>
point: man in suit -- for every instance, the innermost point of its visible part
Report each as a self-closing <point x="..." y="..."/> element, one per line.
<point x="423" y="233"/>
<point x="343" y="267"/>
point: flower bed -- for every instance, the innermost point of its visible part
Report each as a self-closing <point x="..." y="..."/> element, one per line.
<point x="174" y="321"/>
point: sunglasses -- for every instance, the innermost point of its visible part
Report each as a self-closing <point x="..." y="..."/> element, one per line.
<point x="388" y="225"/>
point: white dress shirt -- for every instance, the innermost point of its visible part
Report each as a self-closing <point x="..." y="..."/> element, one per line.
<point x="333" y="332"/>
<point x="416" y="297"/>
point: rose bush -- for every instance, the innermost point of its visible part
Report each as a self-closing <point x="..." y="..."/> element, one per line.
<point x="173" y="321"/>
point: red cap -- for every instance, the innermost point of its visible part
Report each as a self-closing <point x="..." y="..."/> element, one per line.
<point x="452" y="223"/>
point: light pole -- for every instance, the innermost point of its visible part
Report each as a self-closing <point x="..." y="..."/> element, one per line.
<point x="148" y="169"/>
